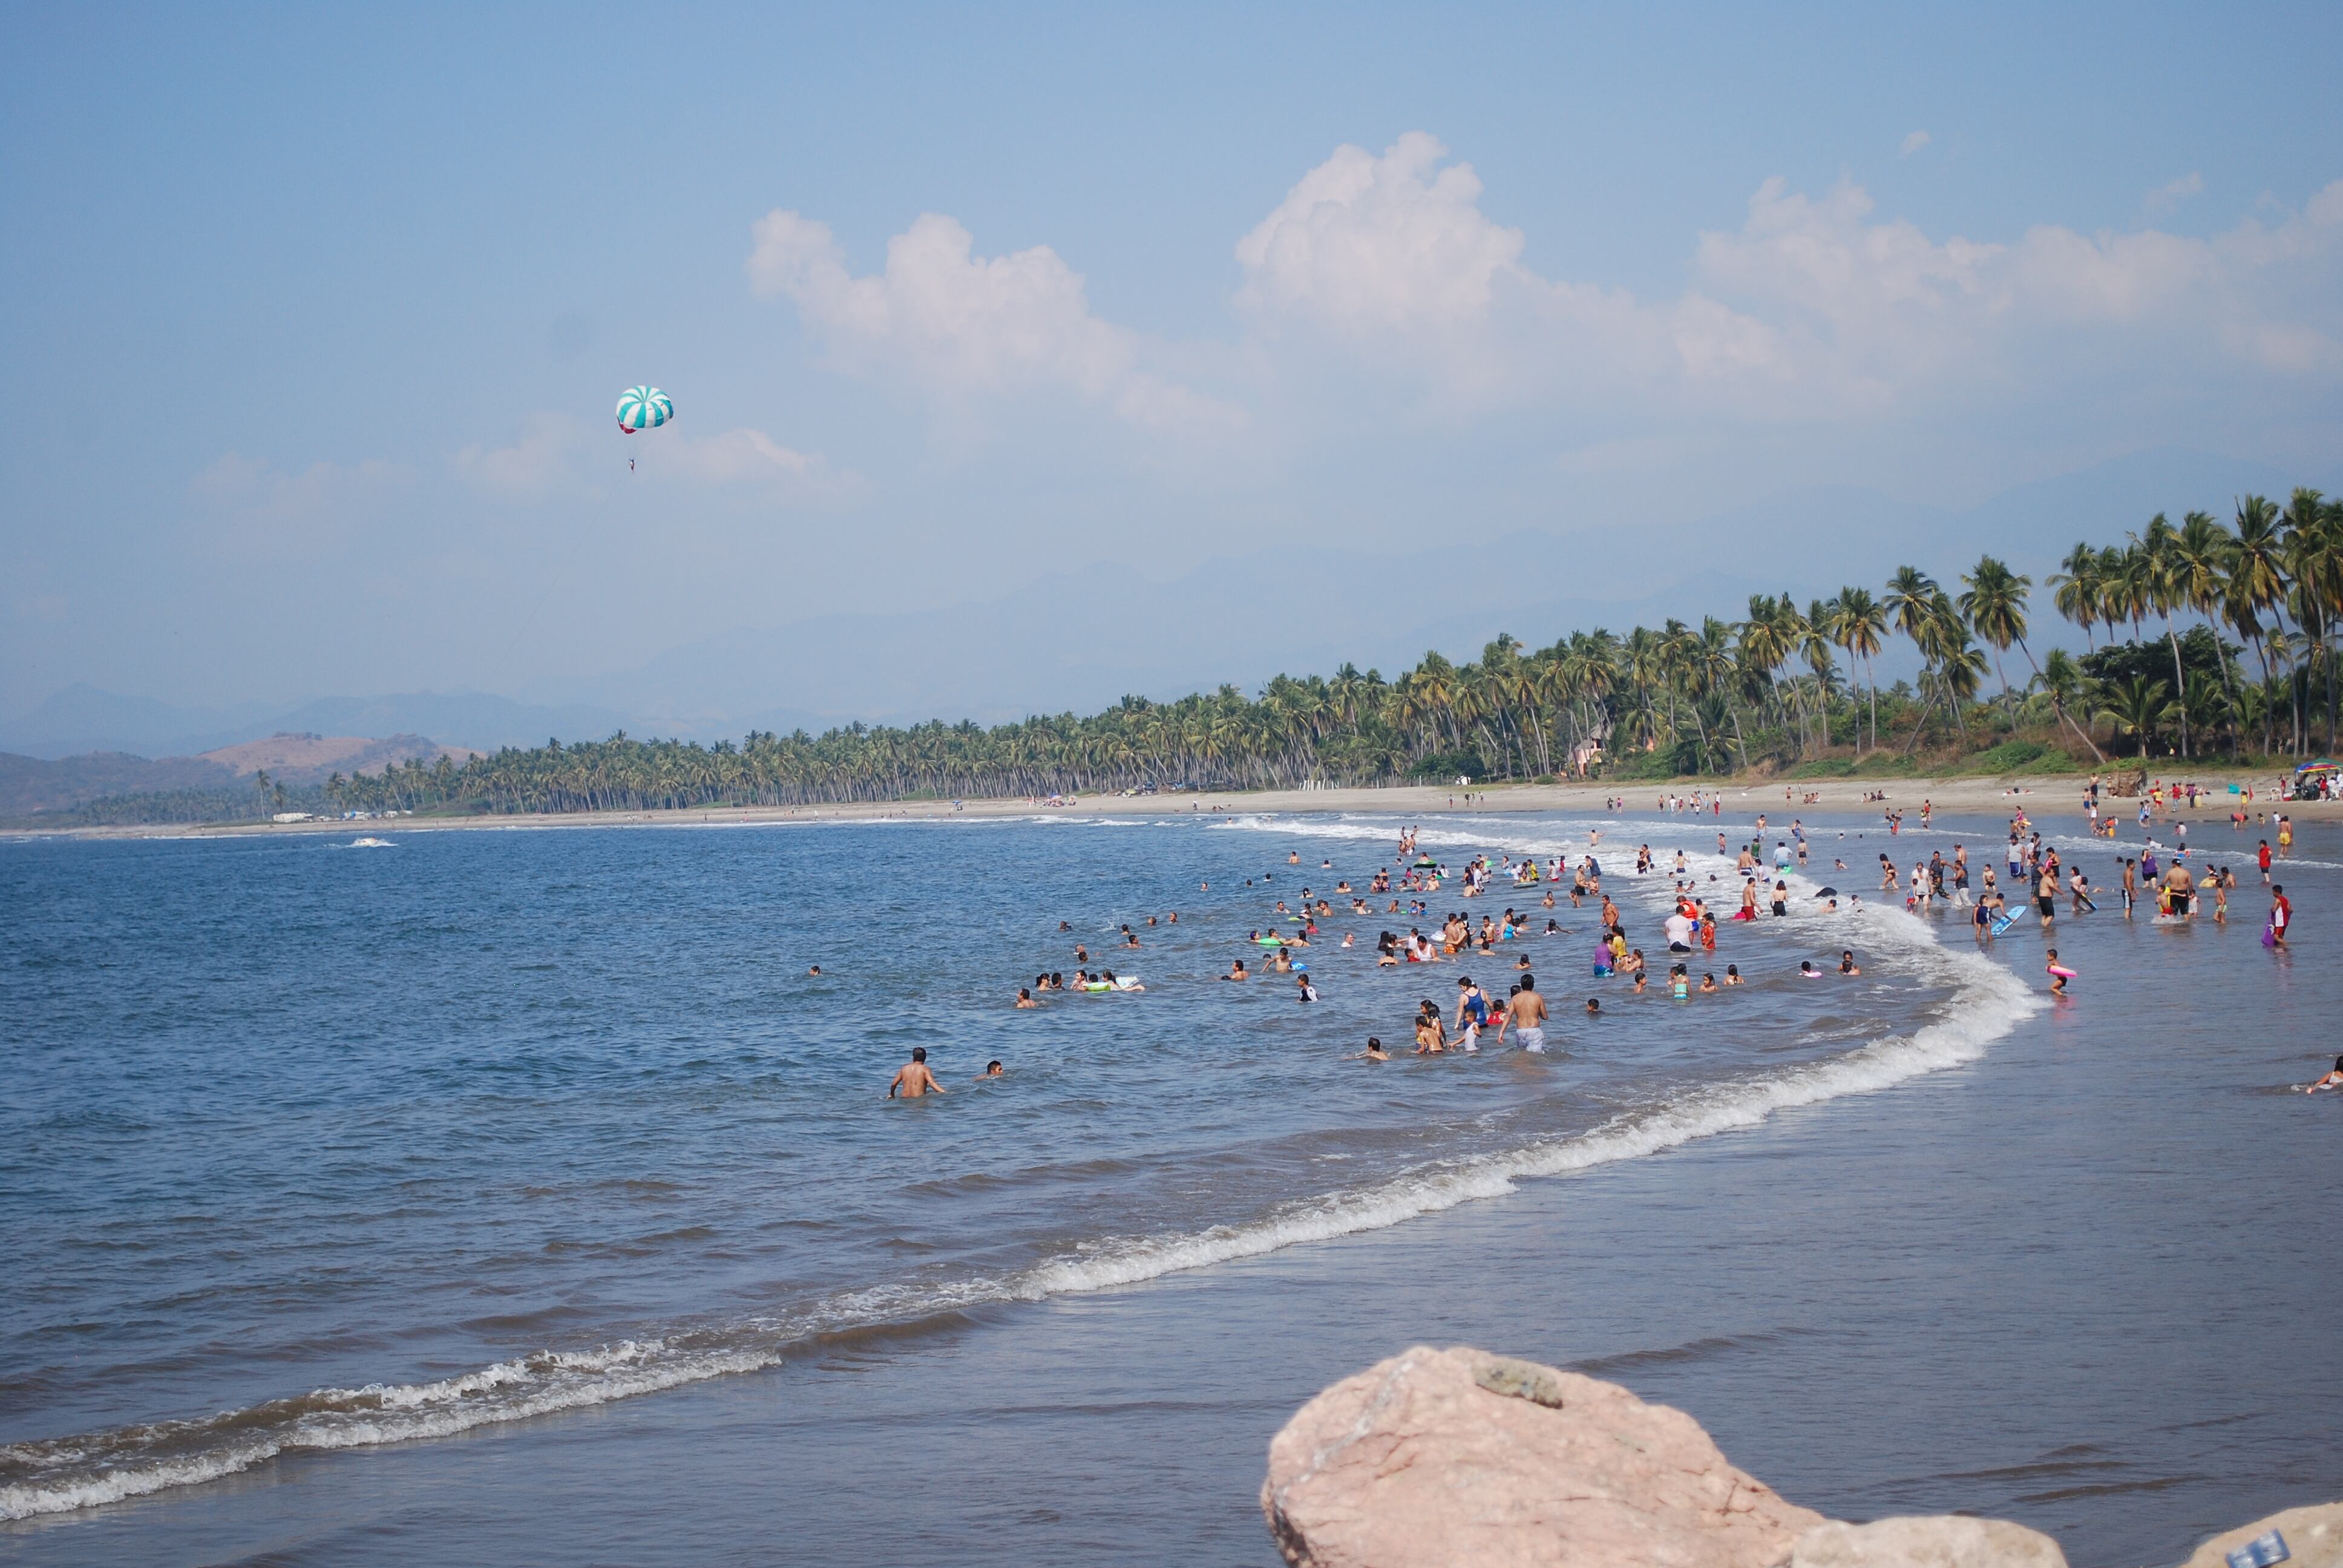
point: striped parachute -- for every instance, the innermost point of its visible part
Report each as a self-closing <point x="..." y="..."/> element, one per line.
<point x="644" y="409"/>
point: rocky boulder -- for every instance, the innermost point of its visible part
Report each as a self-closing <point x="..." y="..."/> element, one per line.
<point x="2314" y="1538"/>
<point x="1939" y="1540"/>
<point x="1458" y="1456"/>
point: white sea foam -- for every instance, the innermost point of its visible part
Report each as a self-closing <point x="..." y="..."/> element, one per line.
<point x="134" y="1462"/>
<point x="1985" y="1002"/>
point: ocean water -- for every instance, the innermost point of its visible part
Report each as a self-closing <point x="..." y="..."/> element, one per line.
<point x="317" y="1148"/>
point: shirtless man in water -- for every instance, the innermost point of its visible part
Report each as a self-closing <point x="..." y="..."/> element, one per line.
<point x="1525" y="1016"/>
<point x="912" y="1079"/>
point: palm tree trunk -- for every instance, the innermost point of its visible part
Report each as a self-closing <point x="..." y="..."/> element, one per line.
<point x="2058" y="706"/>
<point x="2179" y="681"/>
<point x="1928" y="703"/>
<point x="1871" y="678"/>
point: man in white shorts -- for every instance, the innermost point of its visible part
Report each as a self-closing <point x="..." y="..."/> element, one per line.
<point x="1525" y="1016"/>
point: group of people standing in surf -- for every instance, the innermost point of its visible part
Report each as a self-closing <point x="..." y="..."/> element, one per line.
<point x="2037" y="878"/>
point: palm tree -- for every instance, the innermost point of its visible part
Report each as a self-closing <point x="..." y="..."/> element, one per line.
<point x="1859" y="625"/>
<point x="2156" y="587"/>
<point x="1911" y="603"/>
<point x="1993" y="602"/>
<point x="1994" y="605"/>
<point x="2136" y="705"/>
<point x="2311" y="545"/>
<point x="2079" y="589"/>
<point x="2257" y="584"/>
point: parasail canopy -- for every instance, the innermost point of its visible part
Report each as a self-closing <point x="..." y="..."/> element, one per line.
<point x="644" y="409"/>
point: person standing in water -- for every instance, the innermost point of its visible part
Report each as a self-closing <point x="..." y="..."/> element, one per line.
<point x="1472" y="1013"/>
<point x="912" y="1079"/>
<point x="1525" y="1016"/>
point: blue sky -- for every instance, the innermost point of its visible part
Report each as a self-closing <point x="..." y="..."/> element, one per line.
<point x="316" y="315"/>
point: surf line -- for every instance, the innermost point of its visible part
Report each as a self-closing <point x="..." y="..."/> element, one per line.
<point x="64" y="1475"/>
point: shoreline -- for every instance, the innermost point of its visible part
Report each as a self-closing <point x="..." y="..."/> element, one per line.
<point x="2043" y="796"/>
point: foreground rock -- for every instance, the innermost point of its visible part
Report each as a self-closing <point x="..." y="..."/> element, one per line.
<point x="1940" y="1540"/>
<point x="2314" y="1538"/>
<point x="1448" y="1457"/>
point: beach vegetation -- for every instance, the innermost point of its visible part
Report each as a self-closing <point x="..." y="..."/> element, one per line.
<point x="2203" y="639"/>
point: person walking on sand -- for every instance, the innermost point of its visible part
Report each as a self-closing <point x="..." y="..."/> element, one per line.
<point x="912" y="1079"/>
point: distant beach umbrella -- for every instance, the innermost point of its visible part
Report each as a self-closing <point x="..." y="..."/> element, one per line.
<point x="644" y="409"/>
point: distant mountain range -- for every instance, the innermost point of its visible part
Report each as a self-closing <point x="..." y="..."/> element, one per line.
<point x="1082" y="640"/>
<point x="81" y="718"/>
<point x="29" y="784"/>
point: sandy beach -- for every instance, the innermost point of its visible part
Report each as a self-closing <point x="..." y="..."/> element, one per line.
<point x="2043" y="797"/>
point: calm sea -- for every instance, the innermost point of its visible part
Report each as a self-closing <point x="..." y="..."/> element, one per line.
<point x="311" y="1146"/>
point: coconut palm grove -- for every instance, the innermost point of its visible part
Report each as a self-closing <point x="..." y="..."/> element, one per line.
<point x="2203" y="641"/>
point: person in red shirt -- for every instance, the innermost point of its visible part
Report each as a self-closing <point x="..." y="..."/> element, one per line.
<point x="2281" y="915"/>
<point x="2263" y="856"/>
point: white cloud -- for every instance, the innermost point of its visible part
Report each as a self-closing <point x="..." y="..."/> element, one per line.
<point x="255" y="505"/>
<point x="743" y="457"/>
<point x="959" y="326"/>
<point x="544" y="459"/>
<point x="2165" y="198"/>
<point x="559" y="454"/>
<point x="1914" y="140"/>
<point x="1814" y="306"/>
<point x="1364" y="243"/>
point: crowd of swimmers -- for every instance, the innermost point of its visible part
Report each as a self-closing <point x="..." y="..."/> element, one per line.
<point x="2037" y="877"/>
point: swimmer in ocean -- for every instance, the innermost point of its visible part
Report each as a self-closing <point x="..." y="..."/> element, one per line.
<point x="1526" y="1015"/>
<point x="2332" y="1081"/>
<point x="912" y="1079"/>
<point x="1025" y="998"/>
<point x="1374" y="1051"/>
<point x="993" y="1070"/>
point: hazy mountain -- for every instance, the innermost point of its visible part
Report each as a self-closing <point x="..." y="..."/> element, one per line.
<point x="476" y="719"/>
<point x="80" y="719"/>
<point x="29" y="784"/>
<point x="1083" y="640"/>
<point x="1080" y="639"/>
<point x="305" y="758"/>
